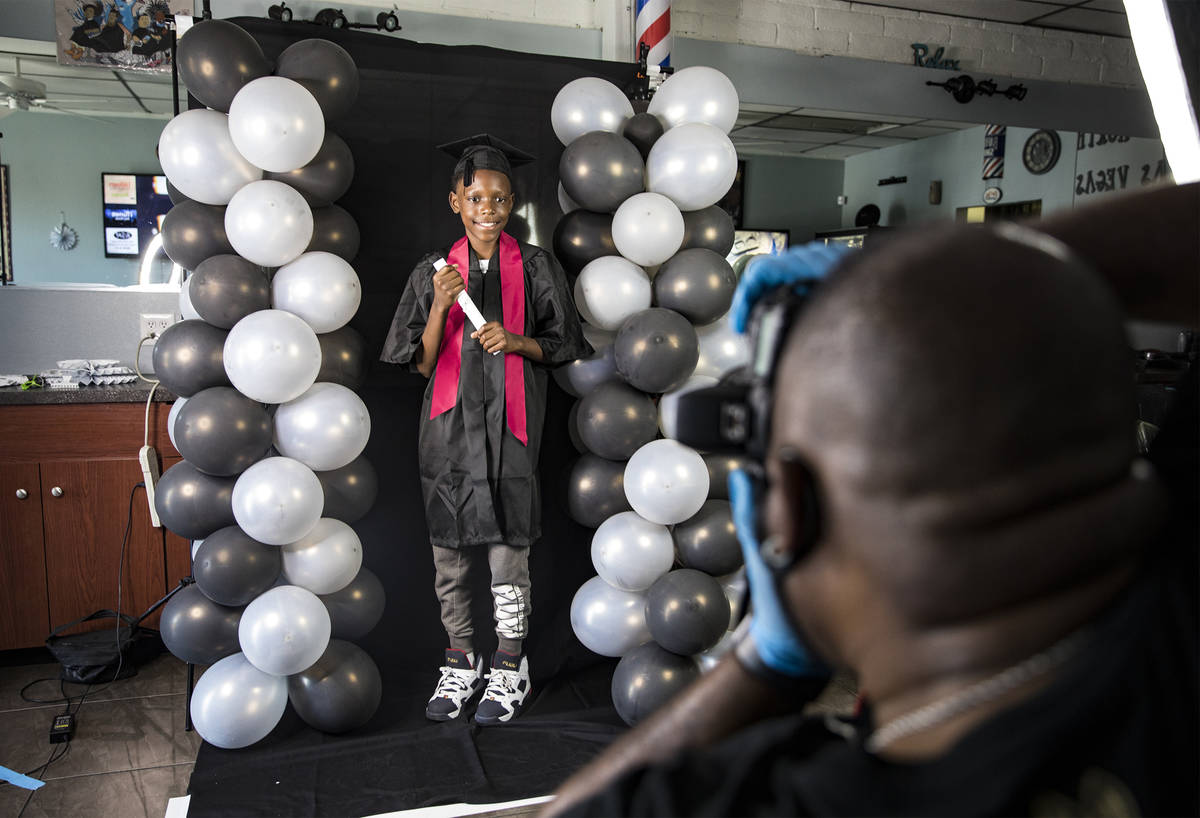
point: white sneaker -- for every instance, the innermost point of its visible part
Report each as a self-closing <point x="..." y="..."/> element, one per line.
<point x="507" y="687"/>
<point x="461" y="679"/>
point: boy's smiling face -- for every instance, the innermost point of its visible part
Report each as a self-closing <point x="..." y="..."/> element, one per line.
<point x="484" y="206"/>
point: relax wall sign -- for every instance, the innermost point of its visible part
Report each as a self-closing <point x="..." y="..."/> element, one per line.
<point x="923" y="59"/>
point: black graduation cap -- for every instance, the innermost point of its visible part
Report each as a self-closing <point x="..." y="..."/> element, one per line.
<point x="484" y="152"/>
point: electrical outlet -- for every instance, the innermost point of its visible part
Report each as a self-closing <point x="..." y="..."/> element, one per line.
<point x="153" y="324"/>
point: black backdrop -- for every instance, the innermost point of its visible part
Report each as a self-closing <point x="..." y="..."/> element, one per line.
<point x="413" y="97"/>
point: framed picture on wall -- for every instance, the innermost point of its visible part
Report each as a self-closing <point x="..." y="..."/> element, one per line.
<point x="750" y="243"/>
<point x="6" y="271"/>
<point x="125" y="34"/>
<point x="732" y="201"/>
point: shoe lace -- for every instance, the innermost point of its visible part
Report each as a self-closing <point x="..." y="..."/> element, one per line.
<point x="453" y="682"/>
<point x="501" y="684"/>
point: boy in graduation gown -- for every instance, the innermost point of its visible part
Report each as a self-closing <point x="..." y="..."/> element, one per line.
<point x="482" y="417"/>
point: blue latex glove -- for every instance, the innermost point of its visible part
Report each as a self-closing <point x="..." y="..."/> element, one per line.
<point x="776" y="642"/>
<point x="802" y="266"/>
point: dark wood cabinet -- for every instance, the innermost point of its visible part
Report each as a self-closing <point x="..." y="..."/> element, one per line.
<point x="60" y="544"/>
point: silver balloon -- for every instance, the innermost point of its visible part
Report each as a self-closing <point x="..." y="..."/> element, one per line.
<point x="666" y="482"/>
<point x="609" y="290"/>
<point x="721" y="349"/>
<point x="734" y="585"/>
<point x="272" y="356"/>
<point x="321" y="288"/>
<point x="199" y="157"/>
<point x="696" y="94"/>
<point x="630" y="552"/>
<point x="707" y="660"/>
<point x="597" y="337"/>
<point x="325" y="559"/>
<point x="565" y="203"/>
<point x="277" y="500"/>
<point x="581" y="376"/>
<point x="588" y="104"/>
<point x="235" y="704"/>
<point x="693" y="165"/>
<point x="325" y="428"/>
<point x="276" y="124"/>
<point x="185" y="300"/>
<point x="607" y="620"/>
<point x="284" y="631"/>
<point x="269" y="223"/>
<point x="171" y="418"/>
<point x="647" y="228"/>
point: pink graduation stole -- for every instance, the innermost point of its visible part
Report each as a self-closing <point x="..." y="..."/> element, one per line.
<point x="449" y="363"/>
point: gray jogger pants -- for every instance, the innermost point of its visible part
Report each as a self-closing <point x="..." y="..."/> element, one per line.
<point x="510" y="593"/>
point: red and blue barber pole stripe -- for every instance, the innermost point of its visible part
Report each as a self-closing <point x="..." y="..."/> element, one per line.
<point x="653" y="27"/>
<point x="993" y="152"/>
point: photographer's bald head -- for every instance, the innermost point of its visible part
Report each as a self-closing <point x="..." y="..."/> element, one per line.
<point x="965" y="401"/>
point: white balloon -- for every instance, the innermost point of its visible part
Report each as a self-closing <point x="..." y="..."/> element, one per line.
<point x="199" y="158"/>
<point x="185" y="301"/>
<point x="721" y="349"/>
<point x="320" y="287"/>
<point x="696" y="94"/>
<point x="284" y="630"/>
<point x="666" y="482"/>
<point x="269" y="223"/>
<point x="196" y="547"/>
<point x="588" y="104"/>
<point x="734" y="586"/>
<point x="707" y="660"/>
<point x="609" y="290"/>
<point x="668" y="404"/>
<point x="272" y="356"/>
<point x="647" y="229"/>
<point x="235" y="704"/>
<point x="693" y="165"/>
<point x="276" y="123"/>
<point x="325" y="428"/>
<point x="607" y="620"/>
<point x="324" y="560"/>
<point x="172" y="416"/>
<point x="598" y="338"/>
<point x="565" y="203"/>
<point x="278" y="500"/>
<point x="630" y="552"/>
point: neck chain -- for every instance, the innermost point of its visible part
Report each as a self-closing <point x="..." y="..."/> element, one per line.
<point x="989" y="689"/>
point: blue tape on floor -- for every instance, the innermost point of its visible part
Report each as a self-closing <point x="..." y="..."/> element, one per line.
<point x="14" y="777"/>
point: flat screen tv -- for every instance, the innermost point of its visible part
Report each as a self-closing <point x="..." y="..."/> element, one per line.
<point x="134" y="206"/>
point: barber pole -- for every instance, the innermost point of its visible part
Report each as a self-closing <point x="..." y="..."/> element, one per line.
<point x="653" y="27"/>
<point x="993" y="152"/>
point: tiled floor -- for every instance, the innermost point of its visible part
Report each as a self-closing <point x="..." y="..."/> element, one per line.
<point x="129" y="755"/>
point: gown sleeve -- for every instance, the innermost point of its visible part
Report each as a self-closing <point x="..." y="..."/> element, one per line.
<point x="408" y="324"/>
<point x="556" y="323"/>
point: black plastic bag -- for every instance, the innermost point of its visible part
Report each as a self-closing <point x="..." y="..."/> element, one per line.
<point x="94" y="657"/>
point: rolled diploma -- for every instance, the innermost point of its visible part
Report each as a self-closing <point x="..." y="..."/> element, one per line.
<point x="468" y="306"/>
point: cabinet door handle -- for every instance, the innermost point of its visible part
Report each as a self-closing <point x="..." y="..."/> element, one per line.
<point x="56" y="491"/>
<point x="22" y="494"/>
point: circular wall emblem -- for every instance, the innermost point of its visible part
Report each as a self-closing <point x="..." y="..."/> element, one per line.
<point x="1041" y="151"/>
<point x="992" y="195"/>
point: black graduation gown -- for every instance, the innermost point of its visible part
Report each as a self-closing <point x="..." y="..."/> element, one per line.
<point x="480" y="483"/>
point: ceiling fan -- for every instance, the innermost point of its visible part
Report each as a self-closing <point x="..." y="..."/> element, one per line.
<point x="18" y="93"/>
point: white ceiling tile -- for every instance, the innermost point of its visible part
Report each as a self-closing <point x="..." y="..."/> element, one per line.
<point x="875" y="142"/>
<point x="834" y="152"/>
<point x="952" y="124"/>
<point x="765" y="108"/>
<point x="915" y="131"/>
<point x="850" y="115"/>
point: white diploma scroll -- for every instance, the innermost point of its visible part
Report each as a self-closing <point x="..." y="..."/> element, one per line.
<point x="468" y="306"/>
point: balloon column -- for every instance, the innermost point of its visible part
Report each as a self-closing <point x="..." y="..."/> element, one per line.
<point x="268" y="422"/>
<point x="647" y="244"/>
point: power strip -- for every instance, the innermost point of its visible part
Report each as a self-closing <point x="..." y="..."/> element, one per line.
<point x="148" y="457"/>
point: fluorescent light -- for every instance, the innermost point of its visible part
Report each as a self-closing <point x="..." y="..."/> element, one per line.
<point x="1158" y="57"/>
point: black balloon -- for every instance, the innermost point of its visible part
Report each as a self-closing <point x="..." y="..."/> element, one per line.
<point x="190" y="356"/>
<point x="687" y="611"/>
<point x="582" y="375"/>
<point x="357" y="608"/>
<point x="708" y="541"/>
<point x="646" y="678"/>
<point x="697" y="283"/>
<point x="599" y="170"/>
<point x="198" y="630"/>
<point x="343" y="358"/>
<point x="232" y="568"/>
<point x="327" y="177"/>
<point x="227" y="288"/>
<point x="222" y="432"/>
<point x="216" y="59"/>
<point x="338" y="692"/>
<point x="656" y="350"/>
<point x="720" y="464"/>
<point x="334" y="231"/>
<point x="194" y="504"/>
<point x="643" y="130"/>
<point x="324" y="68"/>
<point x="573" y="428"/>
<point x="582" y="236"/>
<point x="710" y="227"/>
<point x="596" y="490"/>
<point x="615" y="420"/>
<point x="193" y="232"/>
<point x="349" y="491"/>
